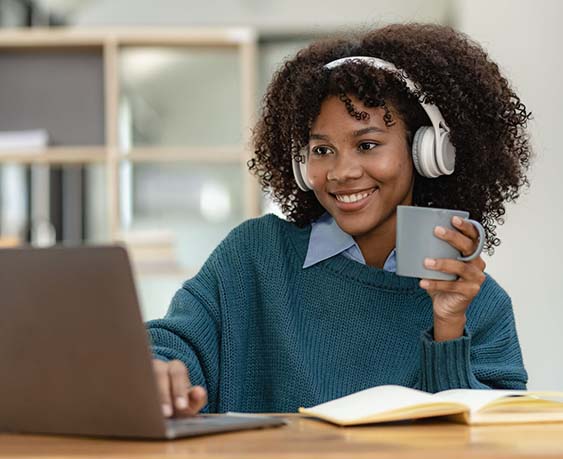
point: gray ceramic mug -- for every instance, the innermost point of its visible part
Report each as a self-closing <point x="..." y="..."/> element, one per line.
<point x="416" y="240"/>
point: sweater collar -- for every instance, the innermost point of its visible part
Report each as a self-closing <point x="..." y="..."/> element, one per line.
<point x="343" y="267"/>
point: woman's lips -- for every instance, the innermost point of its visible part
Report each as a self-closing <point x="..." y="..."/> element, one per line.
<point x="356" y="205"/>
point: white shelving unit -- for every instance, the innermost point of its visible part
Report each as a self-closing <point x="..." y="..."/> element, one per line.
<point x="106" y="47"/>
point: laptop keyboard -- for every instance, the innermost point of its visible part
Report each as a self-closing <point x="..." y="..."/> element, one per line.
<point x="203" y="420"/>
<point x="204" y="424"/>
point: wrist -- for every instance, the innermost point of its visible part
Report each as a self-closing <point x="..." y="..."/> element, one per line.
<point x="449" y="328"/>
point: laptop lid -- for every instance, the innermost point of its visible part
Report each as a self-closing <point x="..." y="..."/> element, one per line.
<point x="73" y="347"/>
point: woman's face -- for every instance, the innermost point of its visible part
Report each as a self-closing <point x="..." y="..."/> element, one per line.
<point x="360" y="170"/>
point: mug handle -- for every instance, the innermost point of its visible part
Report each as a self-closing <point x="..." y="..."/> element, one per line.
<point x="481" y="244"/>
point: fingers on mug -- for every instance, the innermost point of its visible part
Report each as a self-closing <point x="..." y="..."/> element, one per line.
<point x="481" y="243"/>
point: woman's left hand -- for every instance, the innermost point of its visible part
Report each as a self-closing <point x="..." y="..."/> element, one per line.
<point x="451" y="298"/>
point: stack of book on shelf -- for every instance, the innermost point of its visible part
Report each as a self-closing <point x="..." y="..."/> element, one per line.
<point x="15" y="203"/>
<point x="467" y="406"/>
<point x="9" y="241"/>
<point x="30" y="141"/>
<point x="39" y="203"/>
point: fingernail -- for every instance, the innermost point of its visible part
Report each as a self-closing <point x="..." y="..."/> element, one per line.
<point x="181" y="403"/>
<point x="424" y="283"/>
<point x="166" y="410"/>
<point x="430" y="262"/>
<point x="440" y="230"/>
<point x="457" y="221"/>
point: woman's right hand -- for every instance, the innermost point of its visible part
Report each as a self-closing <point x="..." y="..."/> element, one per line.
<point x="177" y="395"/>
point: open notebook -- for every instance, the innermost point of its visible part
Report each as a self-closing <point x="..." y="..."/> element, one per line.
<point x="469" y="406"/>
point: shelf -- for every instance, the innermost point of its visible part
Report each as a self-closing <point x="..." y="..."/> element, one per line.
<point x="65" y="155"/>
<point x="56" y="155"/>
<point x="225" y="155"/>
<point x="68" y="82"/>
<point x="142" y="36"/>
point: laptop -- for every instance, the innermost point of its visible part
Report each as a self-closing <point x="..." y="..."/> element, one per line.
<point x="74" y="351"/>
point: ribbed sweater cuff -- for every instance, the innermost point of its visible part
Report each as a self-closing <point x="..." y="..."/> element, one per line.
<point x="169" y="353"/>
<point x="157" y="356"/>
<point x="446" y="365"/>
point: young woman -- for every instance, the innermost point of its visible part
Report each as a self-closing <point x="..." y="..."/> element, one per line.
<point x="294" y="313"/>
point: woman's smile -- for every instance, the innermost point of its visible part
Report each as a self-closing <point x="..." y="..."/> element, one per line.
<point x="354" y="201"/>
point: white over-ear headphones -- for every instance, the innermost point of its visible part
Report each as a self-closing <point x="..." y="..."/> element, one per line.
<point x="432" y="151"/>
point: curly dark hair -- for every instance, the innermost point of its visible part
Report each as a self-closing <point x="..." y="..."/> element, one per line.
<point x="486" y="117"/>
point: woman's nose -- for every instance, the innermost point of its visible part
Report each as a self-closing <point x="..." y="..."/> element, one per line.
<point x="346" y="167"/>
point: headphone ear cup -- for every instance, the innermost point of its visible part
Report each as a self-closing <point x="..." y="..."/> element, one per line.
<point x="446" y="159"/>
<point x="300" y="172"/>
<point x="303" y="170"/>
<point x="415" y="151"/>
<point x="423" y="152"/>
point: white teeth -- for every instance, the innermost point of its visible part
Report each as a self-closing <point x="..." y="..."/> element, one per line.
<point x="352" y="197"/>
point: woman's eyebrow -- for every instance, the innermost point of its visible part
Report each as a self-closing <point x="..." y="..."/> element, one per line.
<point x="318" y="137"/>
<point x="358" y="133"/>
<point x="367" y="130"/>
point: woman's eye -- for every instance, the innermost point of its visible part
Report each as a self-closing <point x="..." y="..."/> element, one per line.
<point x="366" y="146"/>
<point x="320" y="150"/>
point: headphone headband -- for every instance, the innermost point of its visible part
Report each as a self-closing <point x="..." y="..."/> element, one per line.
<point x="432" y="110"/>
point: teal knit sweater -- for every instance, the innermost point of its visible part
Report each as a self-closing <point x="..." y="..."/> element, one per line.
<point x="262" y="334"/>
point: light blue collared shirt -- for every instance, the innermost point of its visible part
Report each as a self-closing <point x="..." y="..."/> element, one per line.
<point x="328" y="240"/>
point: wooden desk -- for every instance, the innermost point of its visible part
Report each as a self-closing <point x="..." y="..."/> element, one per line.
<point x="307" y="438"/>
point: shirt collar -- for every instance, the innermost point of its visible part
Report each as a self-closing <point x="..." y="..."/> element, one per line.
<point x="327" y="240"/>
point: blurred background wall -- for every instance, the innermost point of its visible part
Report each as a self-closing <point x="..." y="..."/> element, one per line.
<point x="522" y="36"/>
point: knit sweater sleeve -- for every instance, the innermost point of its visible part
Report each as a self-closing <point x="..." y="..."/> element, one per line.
<point x="190" y="330"/>
<point x="487" y="356"/>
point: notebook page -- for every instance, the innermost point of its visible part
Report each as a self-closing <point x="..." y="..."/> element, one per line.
<point x="372" y="401"/>
<point x="476" y="399"/>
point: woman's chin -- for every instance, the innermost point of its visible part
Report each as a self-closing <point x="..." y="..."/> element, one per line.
<point x="354" y="227"/>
